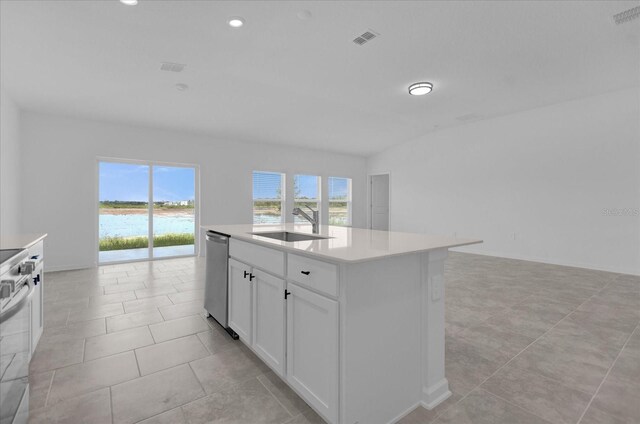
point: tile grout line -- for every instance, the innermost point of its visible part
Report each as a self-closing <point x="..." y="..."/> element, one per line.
<point x="607" y="374"/>
<point x="198" y="380"/>
<point x="293" y="418"/>
<point x="274" y="396"/>
<point x="135" y="355"/>
<point x="527" y="347"/>
<point x="111" y="404"/>
<point x="46" y="400"/>
<point x="84" y="349"/>
<point x="512" y="404"/>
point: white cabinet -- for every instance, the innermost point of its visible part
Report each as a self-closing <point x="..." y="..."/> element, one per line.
<point x="297" y="336"/>
<point x="269" y="319"/>
<point x="37" y="307"/>
<point x="36" y="255"/>
<point x="318" y="275"/>
<point x="312" y="348"/>
<point x="240" y="299"/>
<point x="256" y="311"/>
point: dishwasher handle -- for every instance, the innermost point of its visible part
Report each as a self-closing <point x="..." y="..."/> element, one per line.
<point x="218" y="238"/>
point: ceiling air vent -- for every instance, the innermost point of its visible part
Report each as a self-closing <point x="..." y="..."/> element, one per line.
<point x="365" y="37"/>
<point x="172" y="67"/>
<point x="627" y="15"/>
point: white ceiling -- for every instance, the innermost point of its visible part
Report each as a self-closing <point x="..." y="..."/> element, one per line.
<point x="284" y="80"/>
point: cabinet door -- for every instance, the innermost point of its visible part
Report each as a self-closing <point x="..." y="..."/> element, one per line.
<point x="37" y="307"/>
<point x="312" y="348"/>
<point x="269" y="320"/>
<point x="240" y="299"/>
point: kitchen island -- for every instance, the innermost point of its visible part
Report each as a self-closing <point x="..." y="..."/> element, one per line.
<point x="353" y="321"/>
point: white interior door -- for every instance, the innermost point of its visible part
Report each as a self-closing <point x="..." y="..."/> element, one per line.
<point x="380" y="202"/>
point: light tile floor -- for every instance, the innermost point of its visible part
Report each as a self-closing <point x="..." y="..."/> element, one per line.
<point x="526" y="343"/>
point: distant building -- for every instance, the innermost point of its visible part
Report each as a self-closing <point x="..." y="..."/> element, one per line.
<point x="178" y="203"/>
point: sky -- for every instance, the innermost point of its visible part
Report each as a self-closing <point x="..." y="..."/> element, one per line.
<point x="265" y="186"/>
<point x="130" y="182"/>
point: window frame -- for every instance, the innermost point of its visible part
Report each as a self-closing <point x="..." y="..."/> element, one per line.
<point x="317" y="201"/>
<point x="349" y="200"/>
<point x="282" y="199"/>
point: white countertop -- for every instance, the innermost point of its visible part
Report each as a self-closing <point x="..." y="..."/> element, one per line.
<point x="345" y="244"/>
<point x="20" y="241"/>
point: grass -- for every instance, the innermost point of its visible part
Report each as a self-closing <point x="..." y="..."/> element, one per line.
<point x="173" y="239"/>
<point x="140" y="242"/>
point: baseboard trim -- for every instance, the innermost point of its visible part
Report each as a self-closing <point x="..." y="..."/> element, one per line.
<point x="546" y="261"/>
<point x="405" y="413"/>
<point x="436" y="394"/>
<point x="57" y="268"/>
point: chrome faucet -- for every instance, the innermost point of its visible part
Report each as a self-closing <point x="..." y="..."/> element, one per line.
<point x="313" y="221"/>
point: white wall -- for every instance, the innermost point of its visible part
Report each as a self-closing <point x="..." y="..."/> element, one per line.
<point x="10" y="182"/>
<point x="544" y="175"/>
<point x="60" y="157"/>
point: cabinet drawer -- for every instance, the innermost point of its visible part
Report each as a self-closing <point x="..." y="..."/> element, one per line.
<point x="318" y="275"/>
<point x="270" y="260"/>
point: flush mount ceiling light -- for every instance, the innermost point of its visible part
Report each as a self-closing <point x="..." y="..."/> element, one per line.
<point x="129" y="2"/>
<point x="182" y="87"/>
<point x="235" y="22"/>
<point x="420" y="88"/>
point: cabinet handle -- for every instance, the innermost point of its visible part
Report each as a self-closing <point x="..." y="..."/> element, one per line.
<point x="286" y="293"/>
<point x="306" y="272"/>
<point x="251" y="277"/>
<point x="245" y="274"/>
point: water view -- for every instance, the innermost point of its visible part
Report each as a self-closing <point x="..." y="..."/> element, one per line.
<point x="128" y="225"/>
<point x="267" y="197"/>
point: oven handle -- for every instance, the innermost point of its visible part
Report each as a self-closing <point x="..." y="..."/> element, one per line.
<point x="5" y="315"/>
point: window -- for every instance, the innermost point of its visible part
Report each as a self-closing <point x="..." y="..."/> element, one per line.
<point x="339" y="201"/>
<point x="306" y="194"/>
<point x="268" y="197"/>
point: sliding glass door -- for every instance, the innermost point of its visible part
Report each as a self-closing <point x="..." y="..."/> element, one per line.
<point x="146" y="211"/>
<point x="174" y="210"/>
<point x="124" y="212"/>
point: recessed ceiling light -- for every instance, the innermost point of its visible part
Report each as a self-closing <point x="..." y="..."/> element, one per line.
<point x="420" y="88"/>
<point x="129" y="2"/>
<point x="182" y="87"/>
<point x="236" y="22"/>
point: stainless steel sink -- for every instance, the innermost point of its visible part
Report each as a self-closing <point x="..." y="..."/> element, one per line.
<point x="287" y="236"/>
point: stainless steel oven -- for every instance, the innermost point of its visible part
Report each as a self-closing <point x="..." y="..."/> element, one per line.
<point x="16" y="290"/>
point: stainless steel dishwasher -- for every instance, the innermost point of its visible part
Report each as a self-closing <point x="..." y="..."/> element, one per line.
<point x="216" y="289"/>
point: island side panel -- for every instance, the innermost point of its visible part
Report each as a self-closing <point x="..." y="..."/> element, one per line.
<point x="380" y="338"/>
<point x="435" y="387"/>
